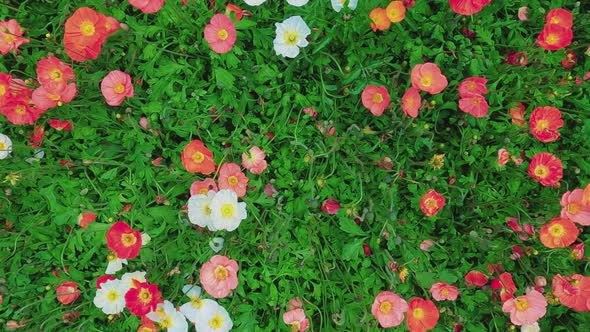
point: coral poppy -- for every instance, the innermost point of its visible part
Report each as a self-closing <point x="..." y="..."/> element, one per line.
<point x="475" y="105"/>
<point x="558" y="233"/>
<point x="67" y="292"/>
<point x="545" y="123"/>
<point x="231" y="177"/>
<point x="476" y="278"/>
<point x="442" y="291"/>
<point x="111" y="25"/>
<point x="254" y="160"/>
<point x="473" y="86"/>
<point x="296" y="319"/>
<point x="44" y="99"/>
<point x="115" y="87"/>
<point x="86" y="218"/>
<point x="219" y="276"/>
<point x="123" y="240"/>
<point x="220" y="33"/>
<point x="142" y="298"/>
<point x="196" y="157"/>
<point x="203" y="187"/>
<point x="11" y="36"/>
<point x="431" y="203"/>
<point x="422" y="315"/>
<point x="375" y="98"/>
<point x="555" y="37"/>
<point x="560" y="17"/>
<point x="574" y="208"/>
<point x="573" y="291"/>
<point x="526" y="309"/>
<point x="546" y="169"/>
<point x="395" y="11"/>
<point x="389" y="308"/>
<point x="5" y="89"/>
<point x="428" y="77"/>
<point x="53" y="74"/>
<point x="506" y="285"/>
<point x="18" y="110"/>
<point x="517" y="114"/>
<point x="237" y="11"/>
<point x="586" y="195"/>
<point x="379" y="19"/>
<point x="147" y="6"/>
<point x="577" y="252"/>
<point x="468" y="7"/>
<point x="85" y="32"/>
<point x="411" y="102"/>
<point x="503" y="157"/>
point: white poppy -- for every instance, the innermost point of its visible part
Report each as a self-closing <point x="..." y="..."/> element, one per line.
<point x="254" y="2"/>
<point x="291" y="34"/>
<point x="213" y="318"/>
<point x="297" y="3"/>
<point x="110" y="298"/>
<point x="5" y="146"/>
<point x="226" y="212"/>
<point x="339" y="4"/>
<point x="168" y="318"/>
<point x="199" y="212"/>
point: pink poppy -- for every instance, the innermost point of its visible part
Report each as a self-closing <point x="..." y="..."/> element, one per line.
<point x="220" y="33"/>
<point x="428" y="77"/>
<point x="389" y="308"/>
<point x="574" y="209"/>
<point x="441" y="291"/>
<point x="254" y="160"/>
<point x="53" y="74"/>
<point x="296" y="319"/>
<point x="473" y="86"/>
<point x="503" y="157"/>
<point x="572" y="291"/>
<point x="147" y="6"/>
<point x="426" y="244"/>
<point x="219" y="276"/>
<point x="526" y="309"/>
<point x="45" y="99"/>
<point x="411" y="102"/>
<point x="375" y="98"/>
<point x="231" y="177"/>
<point x="578" y="251"/>
<point x="67" y="292"/>
<point x="11" y="36"/>
<point x="522" y="12"/>
<point x="115" y="87"/>
<point x="475" y="105"/>
<point x="203" y="187"/>
<point x="468" y="7"/>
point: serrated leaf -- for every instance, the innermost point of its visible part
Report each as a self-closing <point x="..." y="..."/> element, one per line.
<point x="350" y="227"/>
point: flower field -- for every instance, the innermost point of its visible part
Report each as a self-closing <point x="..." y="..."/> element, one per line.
<point x="294" y="165"/>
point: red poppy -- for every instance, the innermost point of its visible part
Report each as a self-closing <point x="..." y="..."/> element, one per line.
<point x="546" y="168"/>
<point x="142" y="298"/>
<point x="422" y="315"/>
<point x="555" y="37"/>
<point x="431" y="203"/>
<point x="86" y="218"/>
<point x="475" y="105"/>
<point x="506" y="286"/>
<point x="36" y="137"/>
<point x="428" y="77"/>
<point x="468" y="7"/>
<point x="67" y="292"/>
<point x="569" y="59"/>
<point x="476" y="278"/>
<point x="560" y="17"/>
<point x="196" y="157"/>
<point x="559" y="233"/>
<point x="60" y="125"/>
<point x="123" y="241"/>
<point x="220" y="33"/>
<point x="330" y="206"/>
<point x="545" y="123"/>
<point x="516" y="58"/>
<point x="18" y="110"/>
<point x="375" y="98"/>
<point x="411" y="102"/>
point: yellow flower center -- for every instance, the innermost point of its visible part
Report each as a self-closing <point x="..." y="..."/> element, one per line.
<point x="216" y="322"/>
<point x="418" y="313"/>
<point x="541" y="171"/>
<point x="9" y="38"/>
<point x="20" y="110"/>
<point x="53" y="97"/>
<point x="221" y="273"/>
<point x="573" y="208"/>
<point x="295" y="326"/>
<point x="232" y="180"/>
<point x="166" y="322"/>
<point x="556" y="230"/>
<point x="291" y="37"/>
<point x="111" y="257"/>
<point x="196" y="302"/>
<point x="119" y="88"/>
<point x="385" y="307"/>
<point x="471" y="86"/>
<point x="430" y="203"/>
<point x="426" y="80"/>
<point x="198" y="157"/>
<point x="112" y="295"/>
<point x="2" y="146"/>
<point x="444" y="292"/>
<point x="554" y="20"/>
<point x="87" y="28"/>
<point x="144" y="296"/>
<point x="377" y="98"/>
<point x="55" y="75"/>
<point x="552" y="39"/>
<point x="128" y="239"/>
<point x="2" y="89"/>
<point x="227" y="210"/>
<point x="542" y="125"/>
<point x="475" y="101"/>
<point x="222" y="34"/>
<point x="522" y="304"/>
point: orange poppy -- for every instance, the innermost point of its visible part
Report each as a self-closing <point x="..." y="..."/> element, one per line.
<point x="379" y="19"/>
<point x="395" y="11"/>
<point x="196" y="157"/>
<point x="559" y="233"/>
<point x="422" y="315"/>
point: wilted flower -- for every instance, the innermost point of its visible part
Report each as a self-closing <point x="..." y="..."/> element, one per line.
<point x="569" y="59"/>
<point x="437" y="161"/>
<point x="503" y="157"/>
<point x="330" y="206"/>
<point x="67" y="292"/>
<point x="518" y="114"/>
<point x="426" y="244"/>
<point x="522" y="12"/>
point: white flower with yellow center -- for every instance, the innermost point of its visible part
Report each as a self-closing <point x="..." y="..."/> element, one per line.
<point x="127" y="278"/>
<point x="291" y="34"/>
<point x="5" y="146"/>
<point x="168" y="318"/>
<point x="226" y="212"/>
<point x="339" y="4"/>
<point x="199" y="212"/>
<point x="191" y="310"/>
<point x="254" y="2"/>
<point x="213" y="318"/>
<point x="111" y="297"/>
<point x="115" y="264"/>
<point x="297" y="3"/>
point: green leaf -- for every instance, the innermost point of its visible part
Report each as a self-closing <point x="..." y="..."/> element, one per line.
<point x="350" y="227"/>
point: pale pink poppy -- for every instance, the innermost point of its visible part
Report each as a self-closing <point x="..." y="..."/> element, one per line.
<point x="388" y="308"/>
<point x="254" y="160"/>
<point x="411" y="102"/>
<point x="441" y="291"/>
<point x="295" y="303"/>
<point x="426" y="244"/>
<point x="231" y="177"/>
<point x="115" y="87"/>
<point x="220" y="33"/>
<point x="572" y="207"/>
<point x="503" y="157"/>
<point x="219" y="276"/>
<point x="526" y="309"/>
<point x="203" y="187"/>
<point x="310" y="111"/>
<point x="522" y="12"/>
<point x="143" y="122"/>
<point x="296" y="318"/>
